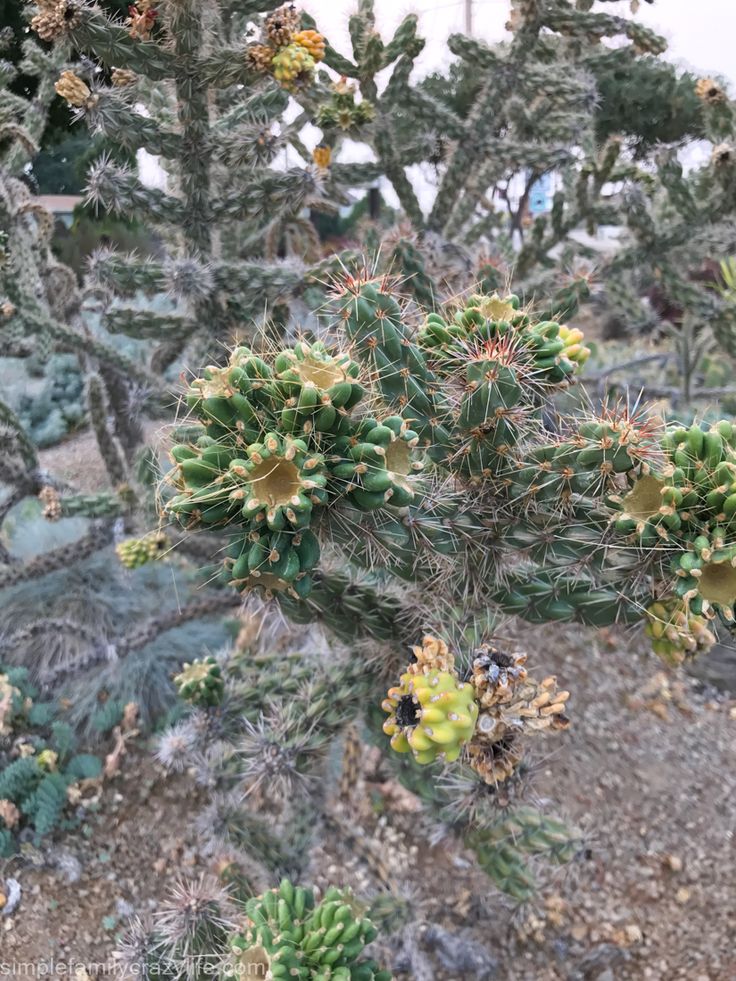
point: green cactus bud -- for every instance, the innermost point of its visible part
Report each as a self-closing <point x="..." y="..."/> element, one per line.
<point x="318" y="387"/>
<point x="201" y="682"/>
<point x="489" y="327"/>
<point x="274" y="562"/>
<point x="277" y="481"/>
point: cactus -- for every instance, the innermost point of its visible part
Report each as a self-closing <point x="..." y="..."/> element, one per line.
<point x="288" y="935"/>
<point x="280" y="711"/>
<point x="106" y="345"/>
<point x="593" y="523"/>
<point x="400" y="467"/>
<point x="473" y="388"/>
<point x="519" y="107"/>
<point x="201" y="682"/>
<point x="284" y="932"/>
<point x="504" y="849"/>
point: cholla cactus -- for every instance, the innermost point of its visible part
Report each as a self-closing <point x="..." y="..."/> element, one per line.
<point x="295" y="707"/>
<point x="408" y="470"/>
<point x="679" y="228"/>
<point x="473" y="387"/>
<point x="224" y="202"/>
<point x="284" y="932"/>
<point x="342" y="112"/>
<point x="593" y="522"/>
<point x="288" y="934"/>
<point x="520" y="107"/>
<point x="201" y="682"/>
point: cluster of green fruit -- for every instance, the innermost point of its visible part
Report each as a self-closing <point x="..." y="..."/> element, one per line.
<point x="279" y="443"/>
<point x="288" y="935"/>
<point x="504" y="362"/>
<point x="547" y="352"/>
<point x="471" y="381"/>
<point x="436" y="714"/>
<point x="676" y="633"/>
<point x="135" y="552"/>
<point x="286" y="52"/>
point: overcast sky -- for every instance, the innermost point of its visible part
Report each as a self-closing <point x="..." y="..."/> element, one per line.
<point x="701" y="33"/>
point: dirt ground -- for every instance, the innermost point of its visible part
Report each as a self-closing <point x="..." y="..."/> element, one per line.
<point x="647" y="770"/>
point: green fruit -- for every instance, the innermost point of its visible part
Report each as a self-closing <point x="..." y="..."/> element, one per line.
<point x="274" y="562"/>
<point x="277" y="481"/>
<point x="135" y="552"/>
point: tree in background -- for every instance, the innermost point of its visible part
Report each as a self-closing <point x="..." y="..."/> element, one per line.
<point x="680" y="224"/>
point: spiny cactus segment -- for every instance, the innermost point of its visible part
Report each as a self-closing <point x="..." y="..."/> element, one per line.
<point x="342" y="113"/>
<point x="322" y="444"/>
<point x="289" y="934"/>
<point x="201" y="682"/>
<point x="280" y="443"/>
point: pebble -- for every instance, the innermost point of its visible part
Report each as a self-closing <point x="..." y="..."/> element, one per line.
<point x="674" y="862"/>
